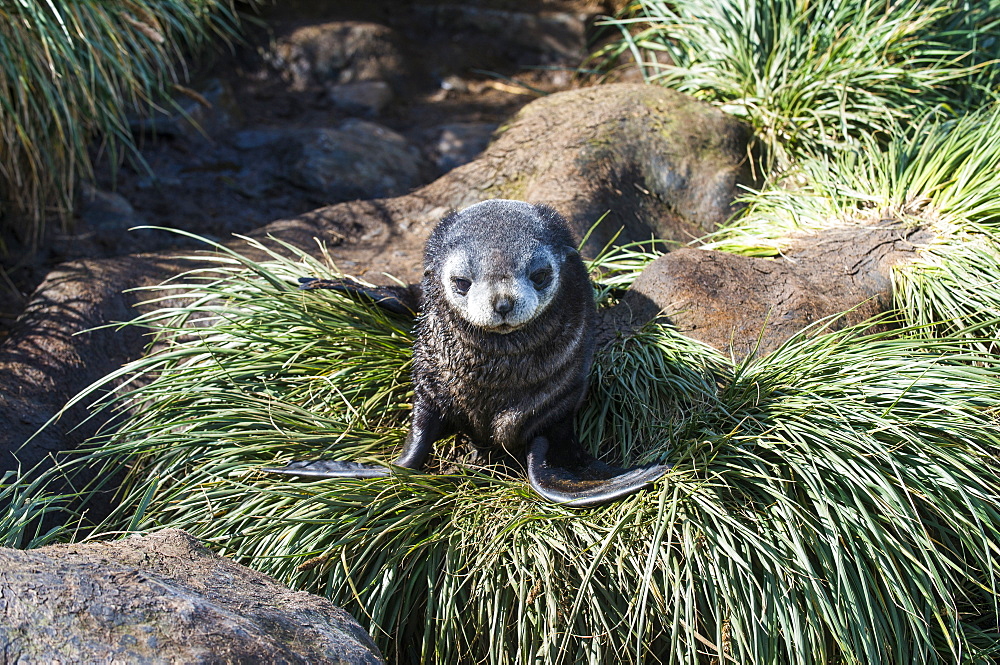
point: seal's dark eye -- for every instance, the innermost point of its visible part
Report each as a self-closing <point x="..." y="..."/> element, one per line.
<point x="461" y="285"/>
<point x="541" y="278"/>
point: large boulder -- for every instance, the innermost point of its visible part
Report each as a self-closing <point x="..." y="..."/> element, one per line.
<point x="657" y="162"/>
<point x="748" y="305"/>
<point x="163" y="598"/>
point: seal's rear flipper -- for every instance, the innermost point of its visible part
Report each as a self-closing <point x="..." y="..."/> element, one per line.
<point x="590" y="485"/>
<point x="395" y="299"/>
<point x="325" y="468"/>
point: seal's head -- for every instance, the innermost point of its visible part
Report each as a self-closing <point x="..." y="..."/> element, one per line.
<point x="498" y="264"/>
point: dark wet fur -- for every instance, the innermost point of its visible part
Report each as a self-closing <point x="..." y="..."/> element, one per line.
<point x="502" y="390"/>
<point x="514" y="393"/>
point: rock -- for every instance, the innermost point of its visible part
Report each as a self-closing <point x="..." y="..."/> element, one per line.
<point x="97" y="209"/>
<point x="252" y="139"/>
<point x="208" y="111"/>
<point x="453" y="82"/>
<point x="558" y="37"/>
<point x="336" y="53"/>
<point x="459" y="143"/>
<point x="108" y="219"/>
<point x="663" y="164"/>
<point x="357" y="160"/>
<point x="61" y="342"/>
<point x="163" y="598"/>
<point x="102" y="227"/>
<point x="745" y="305"/>
<point x="361" y="98"/>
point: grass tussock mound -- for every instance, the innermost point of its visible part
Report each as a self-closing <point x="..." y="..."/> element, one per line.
<point x="836" y="499"/>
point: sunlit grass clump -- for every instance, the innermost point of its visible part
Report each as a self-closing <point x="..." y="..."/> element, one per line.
<point x="812" y="77"/>
<point x="70" y="71"/>
<point x="834" y="501"/>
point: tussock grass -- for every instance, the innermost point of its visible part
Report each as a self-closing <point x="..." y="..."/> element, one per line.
<point x="834" y="501"/>
<point x="24" y="506"/>
<point x="69" y="72"/>
<point x="812" y="77"/>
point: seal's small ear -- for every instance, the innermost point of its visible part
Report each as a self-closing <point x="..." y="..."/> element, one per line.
<point x="569" y="252"/>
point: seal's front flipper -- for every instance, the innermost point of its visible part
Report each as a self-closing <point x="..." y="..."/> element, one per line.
<point x="592" y="484"/>
<point x="326" y="468"/>
<point x="426" y="427"/>
<point x="395" y="299"/>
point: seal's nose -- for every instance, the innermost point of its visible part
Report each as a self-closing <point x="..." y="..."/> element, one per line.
<point x="503" y="305"/>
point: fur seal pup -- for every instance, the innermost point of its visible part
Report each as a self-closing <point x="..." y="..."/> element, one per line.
<point x="503" y="349"/>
